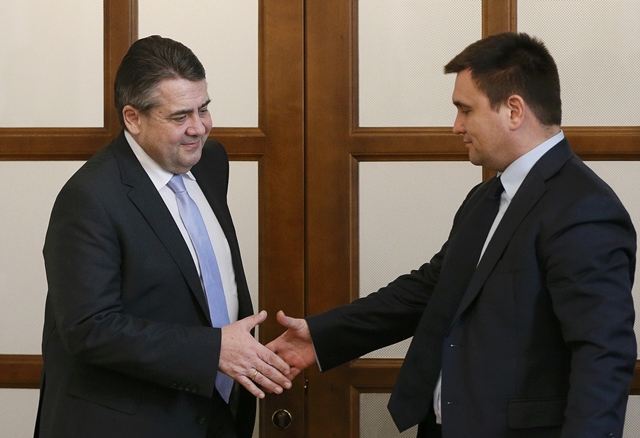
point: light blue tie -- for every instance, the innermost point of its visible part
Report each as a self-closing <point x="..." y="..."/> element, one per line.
<point x="193" y="222"/>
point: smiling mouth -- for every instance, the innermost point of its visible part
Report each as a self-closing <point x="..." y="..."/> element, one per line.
<point x="193" y="143"/>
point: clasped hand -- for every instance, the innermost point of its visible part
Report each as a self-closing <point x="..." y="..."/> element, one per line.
<point x="272" y="367"/>
<point x="250" y="363"/>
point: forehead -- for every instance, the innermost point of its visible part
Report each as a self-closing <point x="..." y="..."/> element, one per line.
<point x="465" y="91"/>
<point x="181" y="93"/>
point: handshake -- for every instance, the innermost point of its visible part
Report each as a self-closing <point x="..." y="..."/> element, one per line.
<point x="269" y="367"/>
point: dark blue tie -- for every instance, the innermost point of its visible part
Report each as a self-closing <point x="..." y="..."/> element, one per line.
<point x="209" y="272"/>
<point x="413" y="392"/>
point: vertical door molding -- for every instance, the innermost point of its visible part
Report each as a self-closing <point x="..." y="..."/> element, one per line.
<point x="498" y="16"/>
<point x="281" y="189"/>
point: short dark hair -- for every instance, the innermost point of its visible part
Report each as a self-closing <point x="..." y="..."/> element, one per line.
<point x="514" y="63"/>
<point x="147" y="62"/>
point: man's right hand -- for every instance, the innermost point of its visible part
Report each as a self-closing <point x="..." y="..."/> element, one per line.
<point x="294" y="346"/>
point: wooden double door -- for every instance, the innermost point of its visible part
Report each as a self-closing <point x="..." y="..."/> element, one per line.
<point x="310" y="249"/>
<point x="322" y="254"/>
<point x="308" y="146"/>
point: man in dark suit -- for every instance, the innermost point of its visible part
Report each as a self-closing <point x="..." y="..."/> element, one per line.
<point x="527" y="332"/>
<point x="130" y="345"/>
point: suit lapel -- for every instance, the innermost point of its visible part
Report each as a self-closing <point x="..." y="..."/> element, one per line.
<point x="148" y="201"/>
<point x="527" y="196"/>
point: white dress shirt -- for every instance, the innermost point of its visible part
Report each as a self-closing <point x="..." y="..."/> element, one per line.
<point x="160" y="177"/>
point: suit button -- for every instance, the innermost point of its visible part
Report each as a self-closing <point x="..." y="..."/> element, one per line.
<point x="201" y="419"/>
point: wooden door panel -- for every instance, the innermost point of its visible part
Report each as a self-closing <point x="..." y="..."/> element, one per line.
<point x="335" y="145"/>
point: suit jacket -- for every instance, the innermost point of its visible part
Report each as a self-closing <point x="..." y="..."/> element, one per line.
<point x="542" y="343"/>
<point x="128" y="346"/>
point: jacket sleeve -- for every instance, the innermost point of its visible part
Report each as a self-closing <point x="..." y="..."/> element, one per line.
<point x="380" y="319"/>
<point x="590" y="259"/>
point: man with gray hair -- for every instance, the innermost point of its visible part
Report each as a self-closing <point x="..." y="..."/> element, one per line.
<point x="148" y="320"/>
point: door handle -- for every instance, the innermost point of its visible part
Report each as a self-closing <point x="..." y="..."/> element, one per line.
<point x="281" y="419"/>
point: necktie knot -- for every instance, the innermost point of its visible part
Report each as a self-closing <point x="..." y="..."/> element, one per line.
<point x="177" y="184"/>
<point x="496" y="189"/>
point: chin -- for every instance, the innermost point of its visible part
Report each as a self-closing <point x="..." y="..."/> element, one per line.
<point x="475" y="160"/>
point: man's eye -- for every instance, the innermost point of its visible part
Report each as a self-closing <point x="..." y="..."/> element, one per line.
<point x="203" y="111"/>
<point x="180" y="119"/>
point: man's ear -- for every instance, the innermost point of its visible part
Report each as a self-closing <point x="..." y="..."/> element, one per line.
<point x="131" y="117"/>
<point x="517" y="109"/>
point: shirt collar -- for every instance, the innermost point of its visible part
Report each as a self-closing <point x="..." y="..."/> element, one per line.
<point x="514" y="175"/>
<point x="159" y="176"/>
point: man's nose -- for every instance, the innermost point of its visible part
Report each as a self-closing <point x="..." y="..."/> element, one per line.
<point x="458" y="127"/>
<point x="196" y="126"/>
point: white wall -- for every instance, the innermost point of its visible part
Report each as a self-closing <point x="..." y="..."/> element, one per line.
<point x="30" y="95"/>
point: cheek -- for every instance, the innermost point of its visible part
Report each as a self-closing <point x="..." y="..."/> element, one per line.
<point x="175" y="135"/>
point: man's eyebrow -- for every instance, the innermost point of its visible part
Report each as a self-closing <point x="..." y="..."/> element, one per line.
<point x="189" y="111"/>
<point x="459" y="103"/>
